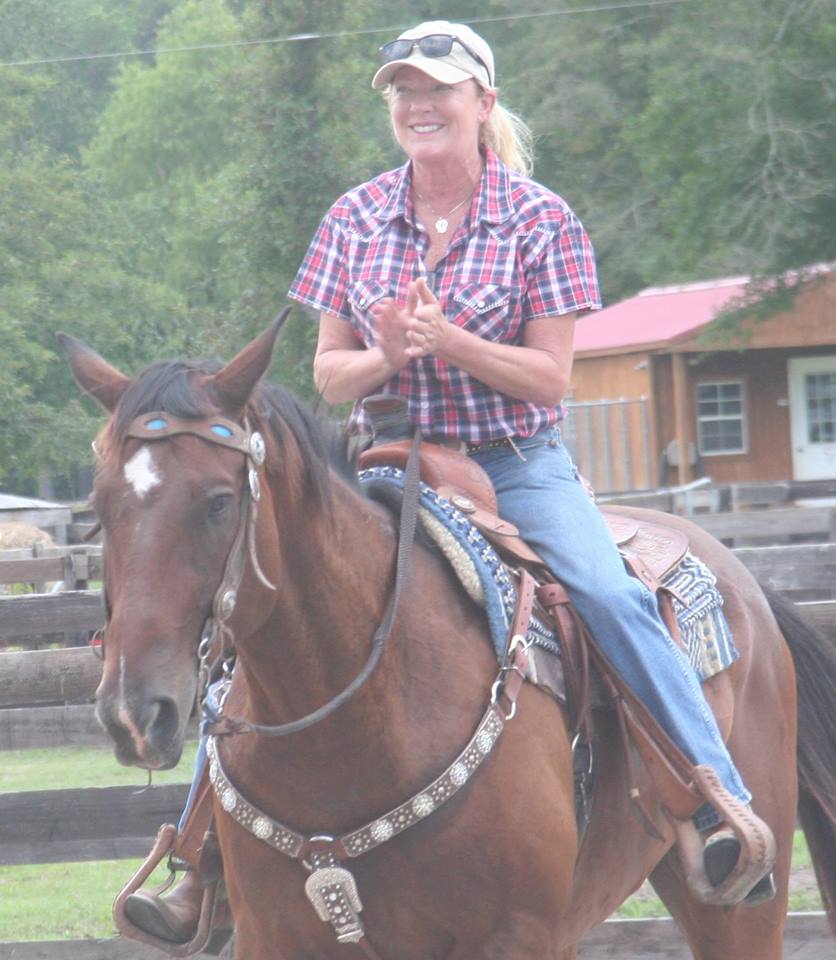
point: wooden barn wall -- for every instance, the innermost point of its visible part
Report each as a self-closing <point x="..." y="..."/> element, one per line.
<point x="764" y="375"/>
<point x="627" y="458"/>
<point x="809" y="321"/>
<point x="611" y="378"/>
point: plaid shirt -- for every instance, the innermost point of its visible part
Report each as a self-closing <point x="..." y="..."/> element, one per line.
<point x="520" y="254"/>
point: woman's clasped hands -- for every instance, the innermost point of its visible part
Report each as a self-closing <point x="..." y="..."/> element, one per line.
<point x="415" y="330"/>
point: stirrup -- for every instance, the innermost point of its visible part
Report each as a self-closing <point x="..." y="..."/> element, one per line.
<point x="757" y="846"/>
<point x="163" y="844"/>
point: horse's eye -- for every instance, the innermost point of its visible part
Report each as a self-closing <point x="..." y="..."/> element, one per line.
<point x="219" y="505"/>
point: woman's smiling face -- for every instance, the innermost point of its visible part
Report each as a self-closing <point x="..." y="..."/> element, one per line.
<point x="437" y="121"/>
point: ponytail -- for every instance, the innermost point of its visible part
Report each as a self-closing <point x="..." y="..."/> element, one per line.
<point x="510" y="138"/>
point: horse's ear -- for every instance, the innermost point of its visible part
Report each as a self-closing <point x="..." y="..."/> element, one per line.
<point x="233" y="384"/>
<point x="93" y="374"/>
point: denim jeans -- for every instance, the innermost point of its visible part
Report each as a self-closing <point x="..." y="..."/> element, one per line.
<point x="544" y="497"/>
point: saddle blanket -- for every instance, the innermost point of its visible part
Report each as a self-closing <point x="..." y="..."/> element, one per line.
<point x="697" y="601"/>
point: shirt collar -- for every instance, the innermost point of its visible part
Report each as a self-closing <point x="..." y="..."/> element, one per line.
<point x="494" y="204"/>
<point x="399" y="201"/>
<point x="494" y="200"/>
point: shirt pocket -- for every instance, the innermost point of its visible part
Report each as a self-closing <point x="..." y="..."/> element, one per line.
<point x="484" y="309"/>
<point x="362" y="295"/>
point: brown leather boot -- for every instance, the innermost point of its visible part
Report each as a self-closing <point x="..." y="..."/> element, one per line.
<point x="172" y="916"/>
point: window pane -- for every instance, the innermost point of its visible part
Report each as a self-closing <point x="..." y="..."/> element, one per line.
<point x="720" y="413"/>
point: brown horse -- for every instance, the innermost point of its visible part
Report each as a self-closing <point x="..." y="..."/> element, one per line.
<point x="496" y="872"/>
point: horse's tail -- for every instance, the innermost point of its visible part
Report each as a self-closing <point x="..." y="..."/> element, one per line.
<point x="814" y="655"/>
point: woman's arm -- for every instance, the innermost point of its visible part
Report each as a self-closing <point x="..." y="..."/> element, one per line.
<point x="344" y="368"/>
<point x="537" y="371"/>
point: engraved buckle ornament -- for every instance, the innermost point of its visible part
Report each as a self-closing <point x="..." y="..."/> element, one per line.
<point x="333" y="893"/>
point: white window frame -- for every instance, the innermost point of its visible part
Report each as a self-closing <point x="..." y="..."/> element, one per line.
<point x="742" y="417"/>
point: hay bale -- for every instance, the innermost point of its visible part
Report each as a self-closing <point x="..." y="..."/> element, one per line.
<point x="15" y="535"/>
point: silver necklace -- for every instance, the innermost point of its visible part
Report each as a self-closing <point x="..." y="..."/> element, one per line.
<point x="442" y="222"/>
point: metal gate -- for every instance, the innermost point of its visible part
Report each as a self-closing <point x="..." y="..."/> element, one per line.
<point x="610" y="442"/>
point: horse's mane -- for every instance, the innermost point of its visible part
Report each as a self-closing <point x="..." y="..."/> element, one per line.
<point x="177" y="387"/>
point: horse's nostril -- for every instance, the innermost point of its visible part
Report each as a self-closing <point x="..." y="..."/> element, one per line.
<point x="160" y="719"/>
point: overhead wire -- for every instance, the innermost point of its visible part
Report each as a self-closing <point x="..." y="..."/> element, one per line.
<point x="333" y="35"/>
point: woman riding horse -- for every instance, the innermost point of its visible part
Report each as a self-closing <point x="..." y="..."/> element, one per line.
<point x="454" y="282"/>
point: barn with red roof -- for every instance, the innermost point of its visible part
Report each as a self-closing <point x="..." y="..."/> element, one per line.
<point x="664" y="372"/>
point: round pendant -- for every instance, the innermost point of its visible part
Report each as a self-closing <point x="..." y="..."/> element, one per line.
<point x="442" y="224"/>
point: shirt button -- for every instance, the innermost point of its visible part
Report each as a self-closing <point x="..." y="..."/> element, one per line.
<point x="480" y="304"/>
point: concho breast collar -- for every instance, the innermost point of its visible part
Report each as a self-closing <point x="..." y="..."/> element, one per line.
<point x="330" y="886"/>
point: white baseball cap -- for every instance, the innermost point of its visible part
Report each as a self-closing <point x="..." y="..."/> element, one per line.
<point x="448" y="52"/>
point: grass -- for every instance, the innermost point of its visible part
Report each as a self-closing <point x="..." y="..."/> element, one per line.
<point x="58" y="901"/>
<point x="66" y="768"/>
<point x="73" y="900"/>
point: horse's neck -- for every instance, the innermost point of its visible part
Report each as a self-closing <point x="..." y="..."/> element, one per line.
<point x="335" y="582"/>
<point x="335" y="574"/>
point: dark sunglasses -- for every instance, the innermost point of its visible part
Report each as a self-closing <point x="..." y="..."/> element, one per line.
<point x="433" y="45"/>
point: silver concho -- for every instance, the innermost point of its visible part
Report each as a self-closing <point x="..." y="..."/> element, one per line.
<point x="262" y="828"/>
<point x="258" y="450"/>
<point x="228" y="601"/>
<point x="382" y="830"/>
<point x="458" y="774"/>
<point x="465" y="504"/>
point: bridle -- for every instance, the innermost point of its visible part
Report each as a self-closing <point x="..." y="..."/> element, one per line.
<point x="217" y="643"/>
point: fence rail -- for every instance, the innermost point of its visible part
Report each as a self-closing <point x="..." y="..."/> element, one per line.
<point x="806" y="937"/>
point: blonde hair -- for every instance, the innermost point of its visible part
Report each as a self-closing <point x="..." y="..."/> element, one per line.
<point x="510" y="138"/>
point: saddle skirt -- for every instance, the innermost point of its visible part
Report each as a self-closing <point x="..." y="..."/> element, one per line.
<point x="490" y="583"/>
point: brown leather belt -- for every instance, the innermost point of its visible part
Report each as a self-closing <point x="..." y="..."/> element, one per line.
<point x="464" y="446"/>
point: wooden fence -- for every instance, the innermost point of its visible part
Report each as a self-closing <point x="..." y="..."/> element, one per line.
<point x="806" y="937"/>
<point x="45" y="700"/>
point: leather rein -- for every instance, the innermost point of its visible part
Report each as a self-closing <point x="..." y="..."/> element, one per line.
<point x="217" y="638"/>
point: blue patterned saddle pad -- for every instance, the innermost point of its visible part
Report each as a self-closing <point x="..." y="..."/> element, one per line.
<point x="486" y="579"/>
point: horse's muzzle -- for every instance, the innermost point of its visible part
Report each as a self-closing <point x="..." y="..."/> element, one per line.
<point x="147" y="734"/>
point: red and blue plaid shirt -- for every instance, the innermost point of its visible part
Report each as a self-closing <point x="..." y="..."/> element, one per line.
<point x="520" y="254"/>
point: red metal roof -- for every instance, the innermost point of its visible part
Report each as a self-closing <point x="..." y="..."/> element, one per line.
<point x="655" y="316"/>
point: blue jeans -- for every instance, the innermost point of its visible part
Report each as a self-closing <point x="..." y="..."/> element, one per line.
<point x="543" y="496"/>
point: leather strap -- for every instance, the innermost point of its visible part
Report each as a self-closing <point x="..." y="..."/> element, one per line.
<point x="670" y="770"/>
<point x="575" y="654"/>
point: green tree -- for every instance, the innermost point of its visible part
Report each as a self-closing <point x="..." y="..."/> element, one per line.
<point x="66" y="262"/>
<point x="738" y="134"/>
<point x="73" y="94"/>
<point x="311" y="128"/>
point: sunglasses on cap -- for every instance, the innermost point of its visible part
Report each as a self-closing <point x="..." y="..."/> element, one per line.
<point x="434" y="45"/>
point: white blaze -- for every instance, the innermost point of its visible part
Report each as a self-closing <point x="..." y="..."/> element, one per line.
<point x="141" y="473"/>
